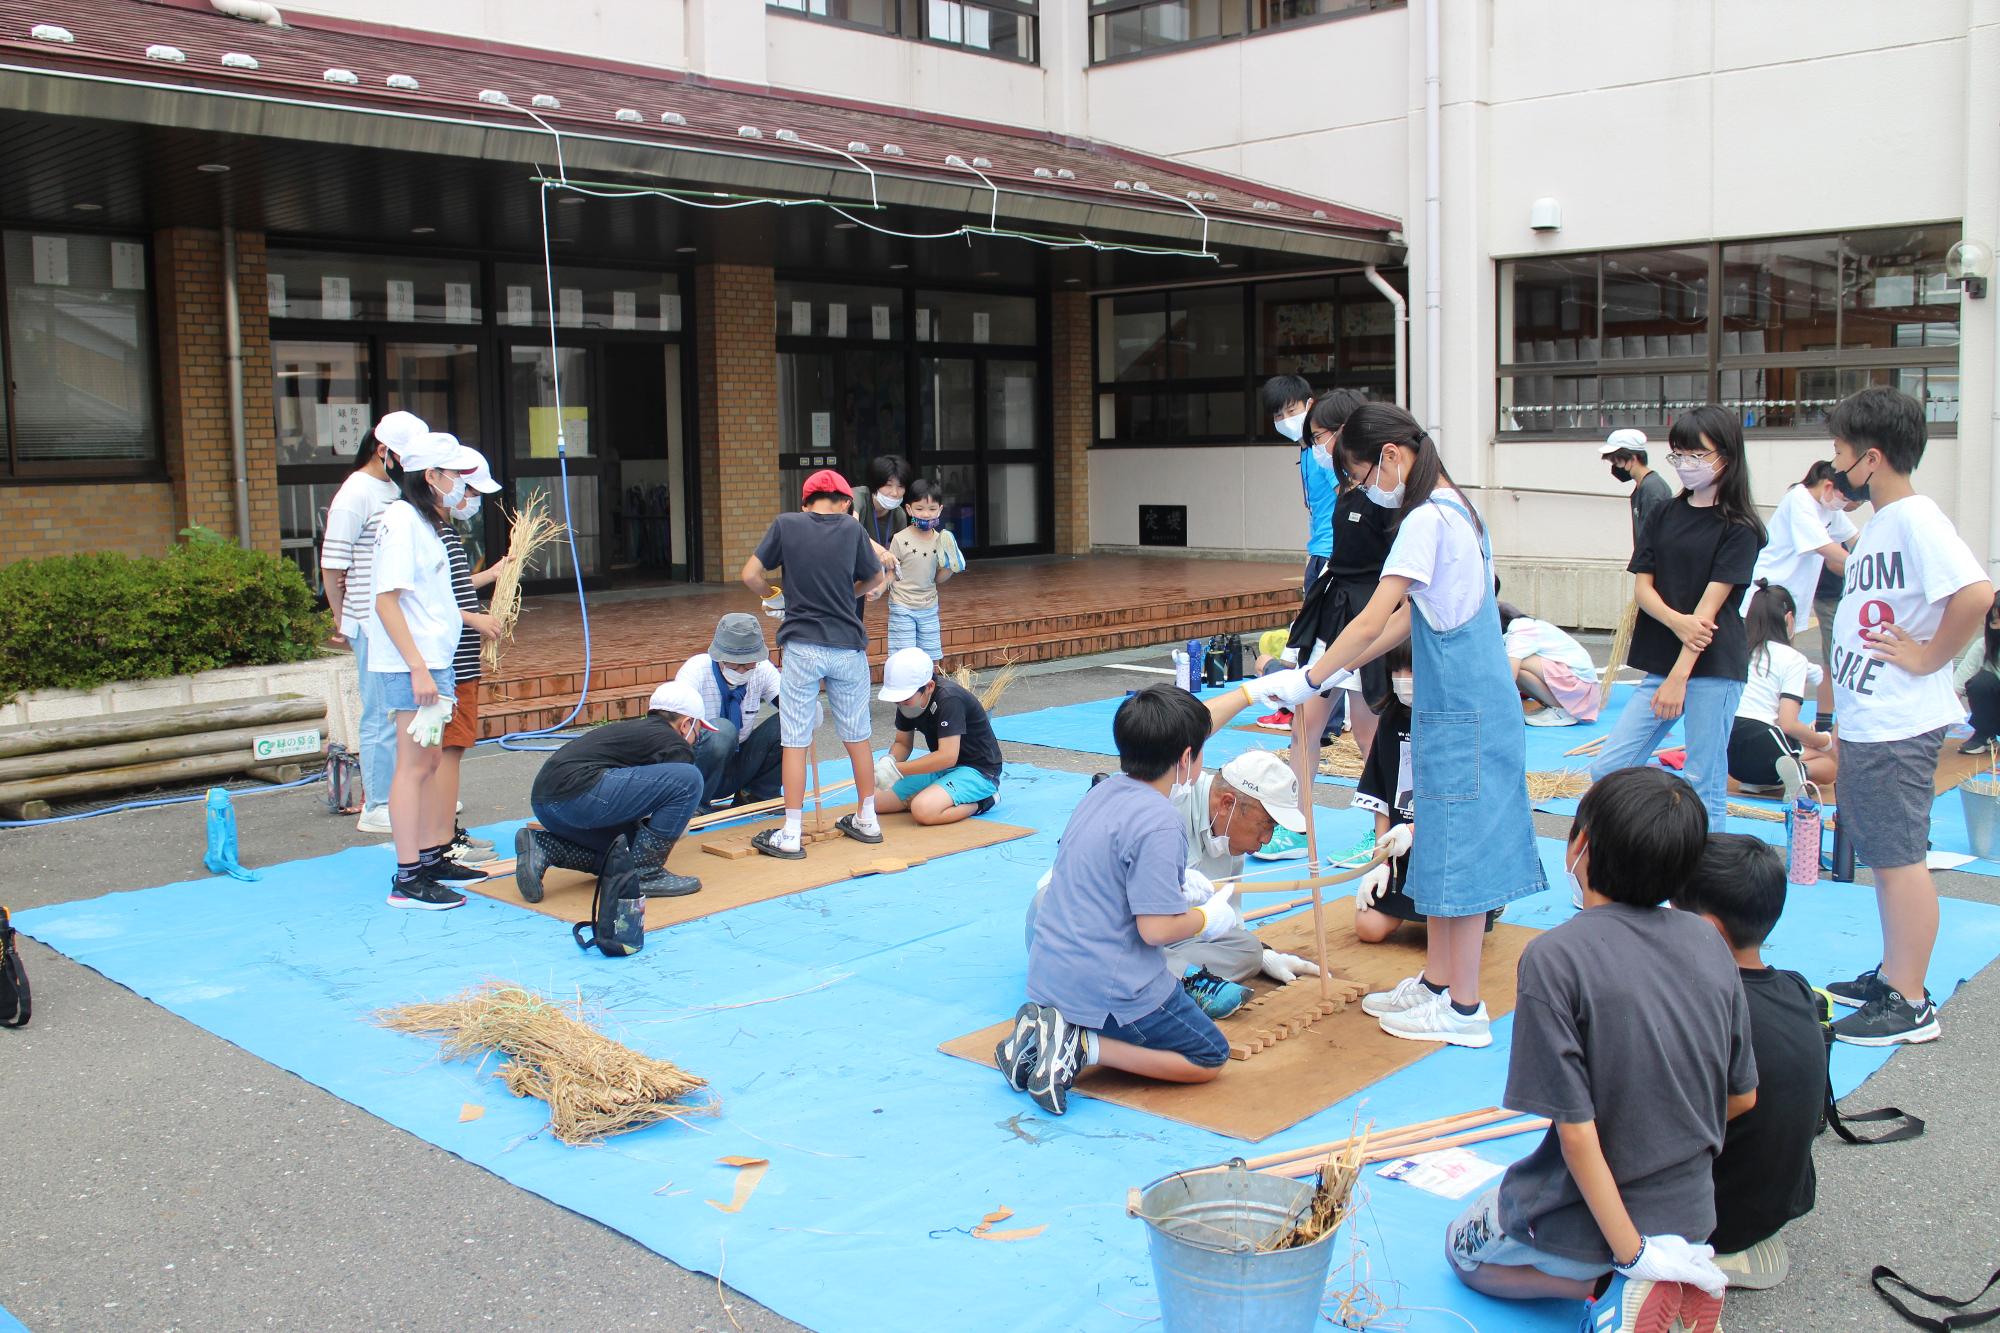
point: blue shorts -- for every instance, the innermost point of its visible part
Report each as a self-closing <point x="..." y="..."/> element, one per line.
<point x="968" y="786"/>
<point x="1179" y="1026"/>
<point x="398" y="697"/>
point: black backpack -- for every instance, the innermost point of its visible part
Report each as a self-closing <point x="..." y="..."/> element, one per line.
<point x="343" y="780"/>
<point x="15" y="1003"/>
<point x="617" y="925"/>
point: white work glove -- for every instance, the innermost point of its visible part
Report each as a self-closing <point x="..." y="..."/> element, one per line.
<point x="1373" y="885"/>
<point x="1287" y="967"/>
<point x="1196" y="887"/>
<point x="1396" y="842"/>
<point x="1672" y="1259"/>
<point x="1286" y="689"/>
<point x="774" y="605"/>
<point x="1815" y="673"/>
<point x="427" y="723"/>
<point x="1218" y="915"/>
<point x="948" y="553"/>
<point x="886" y="772"/>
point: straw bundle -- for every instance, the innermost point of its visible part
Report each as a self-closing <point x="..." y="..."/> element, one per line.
<point x="1621" y="644"/>
<point x="594" y="1087"/>
<point x="528" y="532"/>
<point x="1742" y="811"/>
<point x="995" y="688"/>
<point x="1557" y="784"/>
<point x="1332" y="1199"/>
<point x="1342" y="759"/>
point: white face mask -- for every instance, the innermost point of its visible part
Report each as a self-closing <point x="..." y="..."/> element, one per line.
<point x="468" y="507"/>
<point x="1389" y="499"/>
<point x="1695" y="474"/>
<point x="733" y="676"/>
<point x="887" y="503"/>
<point x="1292" y="427"/>
<point x="1406" y="690"/>
<point x="1182" y="786"/>
<point x="1575" y="884"/>
<point x="1218" y="843"/>
<point x="1322" y="454"/>
<point x="454" y="497"/>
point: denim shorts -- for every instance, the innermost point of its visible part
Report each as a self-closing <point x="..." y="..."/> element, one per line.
<point x="968" y="786"/>
<point x="1179" y="1026"/>
<point x="398" y="697"/>
<point x="1476" y="1239"/>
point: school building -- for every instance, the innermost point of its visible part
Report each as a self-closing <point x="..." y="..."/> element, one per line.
<point x="1046" y="249"/>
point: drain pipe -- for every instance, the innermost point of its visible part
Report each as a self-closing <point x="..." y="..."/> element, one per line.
<point x="232" y="323"/>
<point x="1433" y="241"/>
<point x="1395" y="298"/>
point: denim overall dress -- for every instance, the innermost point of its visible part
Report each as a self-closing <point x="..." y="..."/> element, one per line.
<point x="1474" y="844"/>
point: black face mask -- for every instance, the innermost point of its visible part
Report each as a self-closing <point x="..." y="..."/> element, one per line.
<point x="1623" y="474"/>
<point x="1847" y="486"/>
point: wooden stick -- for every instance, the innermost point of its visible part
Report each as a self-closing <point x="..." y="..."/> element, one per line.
<point x="1591" y="746"/>
<point x="1306" y="756"/>
<point x="819" y="804"/>
<point x="776" y="803"/>
<point x="1315" y="883"/>
<point x="1507" y="1131"/>
<point x="1274" y="910"/>
<point x="1422" y="1129"/>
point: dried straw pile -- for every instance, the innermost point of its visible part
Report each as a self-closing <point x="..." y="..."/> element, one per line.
<point x="1342" y="759"/>
<point x="995" y="688"/>
<point x="594" y="1086"/>
<point x="1332" y="1199"/>
<point x="1557" y="784"/>
<point x="530" y="530"/>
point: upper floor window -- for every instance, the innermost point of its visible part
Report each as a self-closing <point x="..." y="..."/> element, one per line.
<point x="1003" y="28"/>
<point x="1124" y="28"/>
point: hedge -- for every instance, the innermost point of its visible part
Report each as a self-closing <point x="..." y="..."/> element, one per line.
<point x="77" y="621"/>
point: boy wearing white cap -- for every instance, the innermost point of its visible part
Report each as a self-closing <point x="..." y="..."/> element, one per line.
<point x="1625" y="450"/>
<point x="960" y="777"/>
<point x="634" y="780"/>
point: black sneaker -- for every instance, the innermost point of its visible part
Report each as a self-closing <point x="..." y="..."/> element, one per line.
<point x="1859" y="991"/>
<point x="426" y="895"/>
<point x="664" y="883"/>
<point x="985" y="805"/>
<point x="446" y="868"/>
<point x="1015" y="1055"/>
<point x="1976" y="745"/>
<point x="1058" y="1058"/>
<point x="1890" y="1020"/>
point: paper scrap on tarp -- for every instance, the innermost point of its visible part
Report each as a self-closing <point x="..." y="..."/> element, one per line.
<point x="750" y="1171"/>
<point x="985" y="1231"/>
<point x="470" y="1111"/>
<point x="1450" y="1173"/>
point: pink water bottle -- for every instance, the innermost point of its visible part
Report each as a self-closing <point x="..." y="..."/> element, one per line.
<point x="1803" y="825"/>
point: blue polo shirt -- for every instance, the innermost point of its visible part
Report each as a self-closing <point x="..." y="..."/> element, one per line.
<point x="1322" y="490"/>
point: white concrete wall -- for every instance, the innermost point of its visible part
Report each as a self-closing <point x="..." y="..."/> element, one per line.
<point x="646" y="32"/>
<point x="1239" y="498"/>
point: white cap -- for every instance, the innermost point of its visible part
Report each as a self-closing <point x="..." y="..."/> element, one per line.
<point x="400" y="430"/>
<point x="674" y="697"/>
<point x="1269" y="780"/>
<point x="481" y="479"/>
<point x="1621" y="440"/>
<point x="440" y="450"/>
<point x="907" y="671"/>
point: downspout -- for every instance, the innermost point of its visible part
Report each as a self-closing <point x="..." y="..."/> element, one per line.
<point x="1433" y="241"/>
<point x="232" y="323"/>
<point x="1395" y="298"/>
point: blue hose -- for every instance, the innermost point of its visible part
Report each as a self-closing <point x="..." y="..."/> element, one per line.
<point x="157" y="801"/>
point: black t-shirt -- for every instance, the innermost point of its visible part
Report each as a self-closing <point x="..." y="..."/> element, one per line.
<point x="1647" y="497"/>
<point x="630" y="744"/>
<point x="1685" y="549"/>
<point x="956" y="711"/>
<point x="823" y="556"/>
<point x="1363" y="531"/>
<point x="1764" y="1175"/>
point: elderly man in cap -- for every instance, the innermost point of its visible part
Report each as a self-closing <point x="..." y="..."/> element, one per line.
<point x="740" y="759"/>
<point x="1625" y="451"/>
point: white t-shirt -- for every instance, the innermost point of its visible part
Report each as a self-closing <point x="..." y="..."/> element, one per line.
<point x="1791" y="557"/>
<point x="1193" y="809"/>
<point x="1437" y="550"/>
<point x="349" y="541"/>
<point x="1907" y="564"/>
<point x="1528" y="637"/>
<point x="1778" y="672"/>
<point x="410" y="559"/>
<point x="760" y="689"/>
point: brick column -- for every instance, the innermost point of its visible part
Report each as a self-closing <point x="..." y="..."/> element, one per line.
<point x="736" y="359"/>
<point x="194" y="382"/>
<point x="1072" y="384"/>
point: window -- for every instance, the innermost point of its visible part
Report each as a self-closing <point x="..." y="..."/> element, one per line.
<point x="588" y="298"/>
<point x="351" y="289"/>
<point x="1120" y="29"/>
<point x="77" y="395"/>
<point x="1779" y="329"/>
<point x="1003" y="28"/>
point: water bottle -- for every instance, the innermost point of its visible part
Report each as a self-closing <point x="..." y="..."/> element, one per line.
<point x="1802" y="834"/>
<point x="1196" y="652"/>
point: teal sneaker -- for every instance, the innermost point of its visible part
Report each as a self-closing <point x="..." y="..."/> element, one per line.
<point x="1217" y="998"/>
<point x="1360" y="853"/>
<point x="1284" y="845"/>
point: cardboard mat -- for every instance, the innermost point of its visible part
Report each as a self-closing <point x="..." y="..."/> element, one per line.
<point x="1331" y="1060"/>
<point x="735" y="881"/>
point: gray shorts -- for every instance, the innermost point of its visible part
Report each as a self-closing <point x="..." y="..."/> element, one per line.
<point x="1826" y="608"/>
<point x="1885" y="794"/>
<point x="1476" y="1239"/>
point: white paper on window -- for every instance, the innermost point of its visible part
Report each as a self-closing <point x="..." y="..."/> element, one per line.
<point x="624" y="310"/>
<point x="458" y="302"/>
<point x="335" y="298"/>
<point x="670" y="311"/>
<point x="51" y="261"/>
<point x="923" y="324"/>
<point x="982" y="326"/>
<point x="822" y="426"/>
<point x="339" y="427"/>
<point x="802" y="319"/>
<point x="836" y="320"/>
<point x="402" y="300"/>
<point x="520" y="305"/>
<point x="274" y="294"/>
<point x="879" y="317"/>
<point x="569" y="302"/>
<point x="128" y="266"/>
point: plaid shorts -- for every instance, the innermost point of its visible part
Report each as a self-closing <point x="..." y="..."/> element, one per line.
<point x="845" y="672"/>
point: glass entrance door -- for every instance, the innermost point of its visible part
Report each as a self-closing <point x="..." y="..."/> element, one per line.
<point x="533" y="428"/>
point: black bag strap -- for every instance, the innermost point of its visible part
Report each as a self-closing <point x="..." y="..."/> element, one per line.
<point x="14" y="974"/>
<point x="1910" y="1126"/>
<point x="1881" y="1277"/>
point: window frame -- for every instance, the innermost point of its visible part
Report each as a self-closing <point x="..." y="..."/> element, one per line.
<point x="912" y="23"/>
<point x="1714" y="363"/>
<point x="1105" y="8"/>
<point x="16" y="472"/>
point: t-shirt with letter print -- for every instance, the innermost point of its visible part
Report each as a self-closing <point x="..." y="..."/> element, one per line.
<point x="821" y="557"/>
<point x="1905" y="567"/>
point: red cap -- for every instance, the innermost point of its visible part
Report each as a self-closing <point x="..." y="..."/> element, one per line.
<point x="827" y="482"/>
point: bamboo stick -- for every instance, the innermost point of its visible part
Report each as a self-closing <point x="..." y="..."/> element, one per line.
<point x="1507" y="1131"/>
<point x="1307" y="756"/>
<point x="819" y="803"/>
<point x="1317" y="882"/>
<point x="1273" y="910"/>
<point x="714" y="817"/>
<point x="1444" y="1124"/>
<point x="1591" y="746"/>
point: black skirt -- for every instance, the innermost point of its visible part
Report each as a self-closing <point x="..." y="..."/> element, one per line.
<point x="1331" y="604"/>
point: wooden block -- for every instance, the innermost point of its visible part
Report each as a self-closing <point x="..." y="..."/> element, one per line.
<point x="885" y="866"/>
<point x="496" y="869"/>
<point x="1238" y="1051"/>
<point x="729" y="851"/>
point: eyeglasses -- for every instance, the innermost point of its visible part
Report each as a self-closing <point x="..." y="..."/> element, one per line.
<point x="1695" y="455"/>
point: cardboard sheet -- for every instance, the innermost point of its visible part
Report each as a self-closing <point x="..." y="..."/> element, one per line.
<point x="567" y="894"/>
<point x="1333" y="1059"/>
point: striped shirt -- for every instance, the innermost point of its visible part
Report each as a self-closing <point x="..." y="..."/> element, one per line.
<point x="349" y="543"/>
<point x="760" y="689"/>
<point x="465" y="661"/>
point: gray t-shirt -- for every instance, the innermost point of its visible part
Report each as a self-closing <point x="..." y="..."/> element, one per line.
<point x="822" y="557"/>
<point x="1121" y="857"/>
<point x="1632" y="1017"/>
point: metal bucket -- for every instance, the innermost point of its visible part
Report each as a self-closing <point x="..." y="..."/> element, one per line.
<point x="1203" y="1232"/>
<point x="1982" y="816"/>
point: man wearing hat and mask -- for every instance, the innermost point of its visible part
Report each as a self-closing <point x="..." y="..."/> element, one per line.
<point x="740" y="760"/>
<point x="1625" y="451"/>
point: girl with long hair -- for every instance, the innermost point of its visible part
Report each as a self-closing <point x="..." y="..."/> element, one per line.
<point x="1695" y="560"/>
<point x="1473" y="836"/>
<point x="1770" y="745"/>
<point x="1809" y="534"/>
<point x="1977" y="678"/>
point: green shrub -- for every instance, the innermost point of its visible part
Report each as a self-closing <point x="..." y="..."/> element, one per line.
<point x="75" y="621"/>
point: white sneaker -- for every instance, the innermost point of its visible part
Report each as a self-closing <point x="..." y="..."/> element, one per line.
<point x="374" y="819"/>
<point x="1551" y="717"/>
<point x="1405" y="994"/>
<point x="468" y="857"/>
<point x="1436" y="1020"/>
<point x="1759" y="1268"/>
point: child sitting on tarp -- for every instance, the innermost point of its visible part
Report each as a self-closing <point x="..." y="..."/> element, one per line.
<point x="1551" y="668"/>
<point x="1631" y="1033"/>
<point x="960" y="777"/>
<point x="1764" y="1173"/>
<point x="1099" y="988"/>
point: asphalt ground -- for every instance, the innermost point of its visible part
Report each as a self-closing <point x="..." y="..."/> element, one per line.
<point x="153" y="1176"/>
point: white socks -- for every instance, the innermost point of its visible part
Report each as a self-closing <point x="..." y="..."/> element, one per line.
<point x="864" y="818"/>
<point x="1091" y="1053"/>
<point x="794" y="827"/>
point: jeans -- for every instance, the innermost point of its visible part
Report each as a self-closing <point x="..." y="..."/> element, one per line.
<point x="915" y="627"/>
<point x="1706" y="720"/>
<point x="732" y="763"/>
<point x="664" y="795"/>
<point x="378" y="730"/>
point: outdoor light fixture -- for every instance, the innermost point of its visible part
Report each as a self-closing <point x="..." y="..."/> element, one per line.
<point x="213" y="168"/>
<point x="684" y="249"/>
<point x="982" y="163"/>
<point x="422" y="231"/>
<point x="1545" y="215"/>
<point x="88" y="208"/>
<point x="749" y="132"/>
<point x="1065" y="174"/>
<point x="1043" y="173"/>
<point x="1967" y="264"/>
<point x="856" y="146"/>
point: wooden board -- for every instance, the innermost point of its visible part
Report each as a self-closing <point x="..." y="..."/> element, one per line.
<point x="726" y="883"/>
<point x="1335" y="1057"/>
